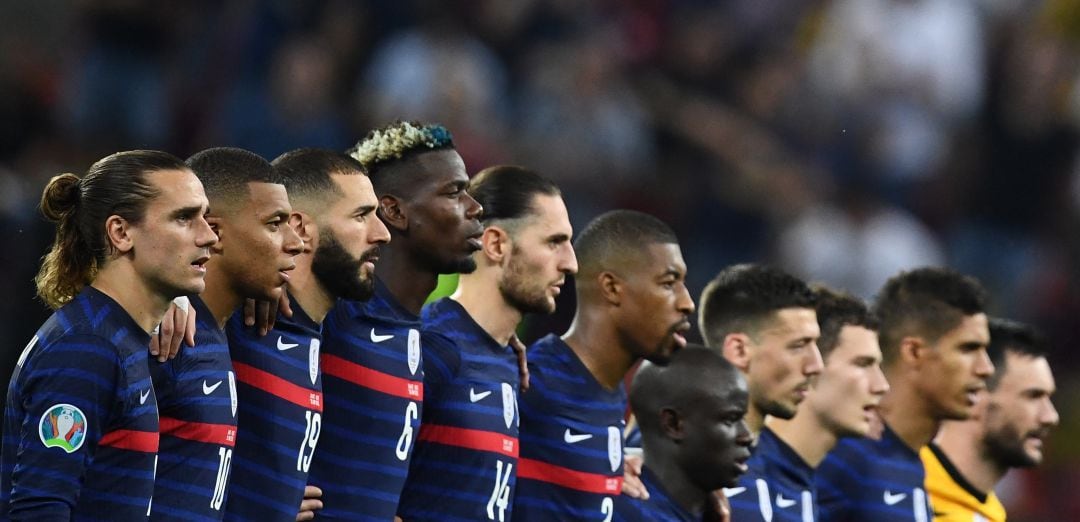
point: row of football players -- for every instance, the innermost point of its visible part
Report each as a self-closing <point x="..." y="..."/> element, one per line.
<point x="421" y="416"/>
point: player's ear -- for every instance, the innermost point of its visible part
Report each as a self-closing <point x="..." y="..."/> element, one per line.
<point x="304" y="226"/>
<point x="913" y="350"/>
<point x="118" y="232"/>
<point x="215" y="225"/>
<point x="671" y="424"/>
<point x="611" y="287"/>
<point x="496" y="244"/>
<point x="736" y="350"/>
<point x="393" y="212"/>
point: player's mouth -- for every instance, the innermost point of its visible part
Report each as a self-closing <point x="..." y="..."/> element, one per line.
<point x="474" y="241"/>
<point x="801" y="391"/>
<point x="971" y="393"/>
<point x="200" y="264"/>
<point x="678" y="333"/>
<point x="556" y="287"/>
<point x="284" y="272"/>
<point x="870" y="410"/>
<point x="740" y="462"/>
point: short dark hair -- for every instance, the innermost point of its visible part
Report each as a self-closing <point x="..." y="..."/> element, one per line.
<point x="679" y="383"/>
<point x="925" y="302"/>
<point x="226" y="171"/>
<point x="740" y="297"/>
<point x="835" y="310"/>
<point x="616" y="236"/>
<point x="507" y="191"/>
<point x="1008" y="336"/>
<point x="118" y="184"/>
<point x="306" y="174"/>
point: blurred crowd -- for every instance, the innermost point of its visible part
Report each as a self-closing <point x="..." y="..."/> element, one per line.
<point x="843" y="140"/>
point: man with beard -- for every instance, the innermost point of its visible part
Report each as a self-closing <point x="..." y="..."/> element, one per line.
<point x="933" y="341"/>
<point x="1006" y="429"/>
<point x="196" y="390"/>
<point x="763" y="321"/>
<point x="372" y="357"/>
<point x="632" y="304"/>
<point x="695" y="439"/>
<point x="779" y="485"/>
<point x="465" y="462"/>
<point x="279" y="379"/>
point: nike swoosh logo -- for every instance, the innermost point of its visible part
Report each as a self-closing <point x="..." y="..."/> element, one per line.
<point x="782" y="502"/>
<point x="376" y="338"/>
<point x="571" y="438"/>
<point x="143" y="396"/>
<point x="892" y="498"/>
<point x="207" y="390"/>
<point x="473" y="396"/>
<point x="731" y="492"/>
<point x="282" y="345"/>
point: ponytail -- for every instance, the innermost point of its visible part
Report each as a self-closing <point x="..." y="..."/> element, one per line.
<point x="69" y="265"/>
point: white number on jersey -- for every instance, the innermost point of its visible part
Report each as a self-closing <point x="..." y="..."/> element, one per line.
<point x="607" y="507"/>
<point x="412" y="411"/>
<point x="311" y="437"/>
<point x="500" y="496"/>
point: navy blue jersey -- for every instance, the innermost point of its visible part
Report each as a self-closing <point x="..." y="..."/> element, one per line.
<point x="465" y="463"/>
<point x="196" y="393"/>
<point x="81" y="420"/>
<point x="778" y="486"/>
<point x="867" y="479"/>
<point x="571" y="439"/>
<point x="374" y="394"/>
<point x="659" y="508"/>
<point x="280" y="416"/>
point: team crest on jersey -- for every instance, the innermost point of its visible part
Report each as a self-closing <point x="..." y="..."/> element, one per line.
<point x="63" y="426"/>
<point x="313" y="361"/>
<point x="232" y="392"/>
<point x="614" y="447"/>
<point x="414" y="351"/>
<point x="509" y="404"/>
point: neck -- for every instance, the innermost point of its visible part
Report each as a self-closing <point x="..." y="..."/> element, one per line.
<point x="955" y="440"/>
<point x="303" y="286"/>
<point x="907" y="415"/>
<point x="479" y="294"/>
<point x="805" y="434"/>
<point x="118" y="280"/>
<point x="596" y="343"/>
<point x="219" y="296"/>
<point x="755" y="420"/>
<point x="677" y="484"/>
<point x="407" y="281"/>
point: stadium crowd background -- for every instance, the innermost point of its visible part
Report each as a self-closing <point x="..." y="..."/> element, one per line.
<point x="842" y="140"/>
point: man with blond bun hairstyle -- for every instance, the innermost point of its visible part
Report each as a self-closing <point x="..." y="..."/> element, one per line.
<point x="81" y="420"/>
<point x="371" y="355"/>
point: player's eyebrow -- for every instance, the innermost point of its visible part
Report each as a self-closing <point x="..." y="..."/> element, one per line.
<point x="364" y="210"/>
<point x="188" y="212"/>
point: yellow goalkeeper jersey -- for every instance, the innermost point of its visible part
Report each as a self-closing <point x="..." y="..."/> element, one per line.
<point x="953" y="498"/>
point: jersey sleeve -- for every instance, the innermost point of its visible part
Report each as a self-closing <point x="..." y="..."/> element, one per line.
<point x="442" y="358"/>
<point x="67" y="395"/>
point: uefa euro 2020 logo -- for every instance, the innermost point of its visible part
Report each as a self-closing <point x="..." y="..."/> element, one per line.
<point x="63" y="426"/>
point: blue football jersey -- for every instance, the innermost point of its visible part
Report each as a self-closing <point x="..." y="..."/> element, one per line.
<point x="279" y="386"/>
<point x="196" y="394"/>
<point x="867" y="479"/>
<point x="374" y="394"/>
<point x="465" y="463"/>
<point x="571" y="439"/>
<point x="778" y="486"/>
<point x="659" y="508"/>
<point x="81" y="421"/>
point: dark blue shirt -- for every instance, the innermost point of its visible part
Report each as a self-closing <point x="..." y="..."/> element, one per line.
<point x="571" y="439"/>
<point x="867" y="479"/>
<point x="778" y="486"/>
<point x="465" y="463"/>
<point x="81" y="420"/>
<point x="196" y="394"/>
<point x="374" y="394"/>
<point x="279" y="385"/>
<point x="659" y="508"/>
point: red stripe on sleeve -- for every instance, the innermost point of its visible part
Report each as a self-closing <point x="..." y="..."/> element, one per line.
<point x="372" y="379"/>
<point x="279" y="387"/>
<point x="471" y="439"/>
<point x="221" y="434"/>
<point x="569" y="478"/>
<point x="144" y="441"/>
